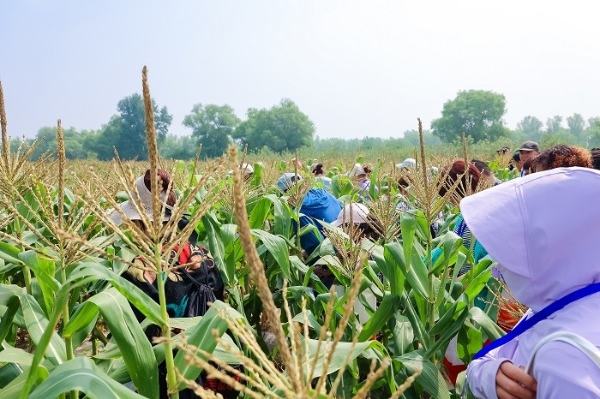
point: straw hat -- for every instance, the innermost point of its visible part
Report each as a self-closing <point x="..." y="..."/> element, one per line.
<point x="129" y="209"/>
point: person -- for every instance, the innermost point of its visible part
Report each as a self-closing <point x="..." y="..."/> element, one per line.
<point x="317" y="170"/>
<point x="360" y="175"/>
<point x="596" y="158"/>
<point x="247" y="171"/>
<point x="528" y="151"/>
<point x="487" y="178"/>
<point x="516" y="162"/>
<point x="317" y="205"/>
<point x="356" y="219"/>
<point x="562" y="156"/>
<point x="548" y="259"/>
<point x="191" y="268"/>
<point x="407" y="164"/>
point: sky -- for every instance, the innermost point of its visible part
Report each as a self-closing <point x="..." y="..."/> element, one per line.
<point x="356" y="68"/>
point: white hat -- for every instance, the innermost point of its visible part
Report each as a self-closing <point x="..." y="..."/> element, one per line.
<point x="129" y="209"/>
<point x="407" y="163"/>
<point x="287" y="180"/>
<point x="352" y="213"/>
<point x="245" y="168"/>
<point x="357" y="170"/>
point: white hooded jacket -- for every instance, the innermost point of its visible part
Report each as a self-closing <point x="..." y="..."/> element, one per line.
<point x="544" y="232"/>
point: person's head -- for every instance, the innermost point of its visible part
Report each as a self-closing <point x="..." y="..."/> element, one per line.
<point x="247" y="171"/>
<point x="296" y="163"/>
<point x="529" y="150"/>
<point x="359" y="172"/>
<point x="562" y="156"/>
<point x="407" y="164"/>
<point x="131" y="208"/>
<point x="287" y="181"/>
<point x="487" y="177"/>
<point x="516" y="162"/>
<point x="596" y="157"/>
<point x="356" y="218"/>
<point x="317" y="169"/>
<point x="459" y="171"/>
<point x="542" y="230"/>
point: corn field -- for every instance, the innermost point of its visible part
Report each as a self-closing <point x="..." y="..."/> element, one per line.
<point x="67" y="328"/>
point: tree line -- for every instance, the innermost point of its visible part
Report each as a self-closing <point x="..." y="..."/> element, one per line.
<point x="284" y="128"/>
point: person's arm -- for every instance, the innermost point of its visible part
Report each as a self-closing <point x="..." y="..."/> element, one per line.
<point x="495" y="376"/>
<point x="563" y="371"/>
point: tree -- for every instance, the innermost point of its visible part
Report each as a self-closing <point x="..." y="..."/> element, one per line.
<point x="593" y="132"/>
<point x="576" y="125"/>
<point x="281" y="128"/>
<point x="531" y="127"/>
<point x="212" y="126"/>
<point x="127" y="131"/>
<point x="553" y="125"/>
<point x="476" y="113"/>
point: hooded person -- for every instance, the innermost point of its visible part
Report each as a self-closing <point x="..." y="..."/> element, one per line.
<point x="543" y="232"/>
<point x="317" y="205"/>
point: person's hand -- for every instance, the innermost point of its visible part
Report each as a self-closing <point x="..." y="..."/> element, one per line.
<point x="513" y="382"/>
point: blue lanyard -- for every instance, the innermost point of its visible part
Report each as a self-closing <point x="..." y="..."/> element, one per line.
<point x="539" y="316"/>
<point x="461" y="228"/>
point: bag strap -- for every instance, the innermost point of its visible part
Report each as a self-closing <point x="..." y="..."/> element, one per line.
<point x="585" y="346"/>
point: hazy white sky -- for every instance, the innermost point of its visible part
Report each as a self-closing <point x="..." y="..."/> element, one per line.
<point x="356" y="68"/>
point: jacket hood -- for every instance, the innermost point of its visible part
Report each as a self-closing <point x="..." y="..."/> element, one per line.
<point x="543" y="230"/>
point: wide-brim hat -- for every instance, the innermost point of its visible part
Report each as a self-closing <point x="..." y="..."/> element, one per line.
<point x="407" y="163"/>
<point x="352" y="213"/>
<point x="357" y="170"/>
<point x="129" y="209"/>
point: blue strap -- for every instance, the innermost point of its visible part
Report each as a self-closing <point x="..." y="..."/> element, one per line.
<point x="539" y="316"/>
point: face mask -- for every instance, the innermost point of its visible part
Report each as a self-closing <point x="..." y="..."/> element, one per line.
<point x="519" y="286"/>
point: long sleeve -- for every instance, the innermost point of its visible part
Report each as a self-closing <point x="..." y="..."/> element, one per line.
<point x="481" y="373"/>
<point x="563" y="371"/>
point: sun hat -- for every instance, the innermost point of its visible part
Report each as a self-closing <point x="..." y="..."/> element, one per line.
<point x="129" y="208"/>
<point x="352" y="213"/>
<point x="245" y="168"/>
<point x="407" y="163"/>
<point x="518" y="224"/>
<point x="529" y="146"/>
<point x="357" y="170"/>
<point x="287" y="180"/>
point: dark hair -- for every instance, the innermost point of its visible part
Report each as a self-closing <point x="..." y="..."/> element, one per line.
<point x="317" y="169"/>
<point x="367" y="169"/>
<point x="503" y="150"/>
<point x="404" y="182"/>
<point x="596" y="158"/>
<point x="164" y="181"/>
<point x="516" y="156"/>
<point x="561" y="156"/>
<point x="451" y="173"/>
<point x="482" y="167"/>
<point x="372" y="229"/>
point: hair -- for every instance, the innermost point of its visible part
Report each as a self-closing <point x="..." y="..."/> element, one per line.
<point x="371" y="229"/>
<point x="458" y="169"/>
<point x="503" y="150"/>
<point x="165" y="180"/>
<point x="367" y="169"/>
<point x="482" y="167"/>
<point x="561" y="156"/>
<point x="596" y="158"/>
<point x="404" y="182"/>
<point x="528" y="166"/>
<point x="317" y="169"/>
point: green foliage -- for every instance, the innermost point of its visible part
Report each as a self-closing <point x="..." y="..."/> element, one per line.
<point x="476" y="113"/>
<point x="212" y="126"/>
<point x="281" y="128"/>
<point x="531" y="127"/>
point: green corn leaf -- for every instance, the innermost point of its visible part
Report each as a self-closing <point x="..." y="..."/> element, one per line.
<point x="128" y="334"/>
<point x="430" y="379"/>
<point x="201" y="336"/>
<point x="44" y="270"/>
<point x="385" y="311"/>
<point x="83" y="375"/>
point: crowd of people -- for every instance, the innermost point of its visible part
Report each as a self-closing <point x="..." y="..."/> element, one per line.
<point x="539" y="228"/>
